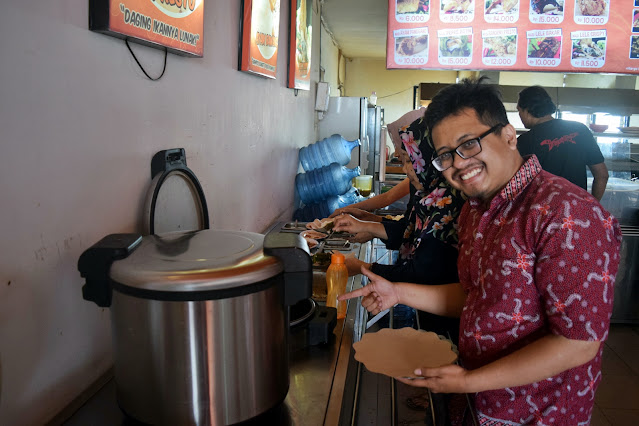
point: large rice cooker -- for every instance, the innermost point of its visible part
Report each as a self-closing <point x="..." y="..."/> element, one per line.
<point x="199" y="320"/>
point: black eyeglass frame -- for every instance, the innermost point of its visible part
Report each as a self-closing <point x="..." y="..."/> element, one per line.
<point x="456" y="150"/>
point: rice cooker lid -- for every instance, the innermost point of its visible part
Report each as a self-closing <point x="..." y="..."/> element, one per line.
<point x="196" y="261"/>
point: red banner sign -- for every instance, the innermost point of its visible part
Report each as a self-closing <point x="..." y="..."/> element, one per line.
<point x="174" y="24"/>
<point x="577" y="36"/>
<point x="260" y="35"/>
<point x="301" y="36"/>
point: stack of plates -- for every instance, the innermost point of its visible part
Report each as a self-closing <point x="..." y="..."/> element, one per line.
<point x="630" y="130"/>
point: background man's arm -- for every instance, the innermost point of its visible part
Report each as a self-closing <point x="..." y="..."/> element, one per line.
<point x="600" y="179"/>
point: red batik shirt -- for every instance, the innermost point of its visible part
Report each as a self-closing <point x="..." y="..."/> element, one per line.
<point x="540" y="259"/>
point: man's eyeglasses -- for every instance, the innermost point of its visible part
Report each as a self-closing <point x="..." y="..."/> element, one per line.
<point x="465" y="150"/>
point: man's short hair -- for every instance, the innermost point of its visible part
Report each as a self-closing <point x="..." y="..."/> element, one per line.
<point x="485" y="99"/>
<point x="536" y="101"/>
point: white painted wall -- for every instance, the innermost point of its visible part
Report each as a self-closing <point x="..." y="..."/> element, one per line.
<point x="394" y="87"/>
<point x="79" y="124"/>
<point x="331" y="61"/>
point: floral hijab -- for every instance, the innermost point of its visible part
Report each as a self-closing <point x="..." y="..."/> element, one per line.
<point x="437" y="206"/>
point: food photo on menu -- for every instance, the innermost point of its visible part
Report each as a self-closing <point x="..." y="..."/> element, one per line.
<point x="501" y="7"/>
<point x="547" y="7"/>
<point x="635" y="21"/>
<point x="544" y="47"/>
<point x="592" y="7"/>
<point x="409" y="46"/>
<point x="589" y="48"/>
<point x="457" y="6"/>
<point x="412" y="6"/>
<point x="634" y="47"/>
<point x="504" y="46"/>
<point x="456" y="46"/>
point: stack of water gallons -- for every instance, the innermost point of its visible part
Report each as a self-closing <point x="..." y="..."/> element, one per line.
<point x="326" y="184"/>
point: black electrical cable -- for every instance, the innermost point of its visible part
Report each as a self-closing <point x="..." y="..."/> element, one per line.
<point x="166" y="52"/>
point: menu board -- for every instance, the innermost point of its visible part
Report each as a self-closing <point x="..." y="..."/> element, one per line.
<point x="577" y="36"/>
<point x="176" y="25"/>
<point x="300" y="43"/>
<point x="260" y="27"/>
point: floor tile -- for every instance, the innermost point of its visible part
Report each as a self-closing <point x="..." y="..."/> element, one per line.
<point x="612" y="364"/>
<point x="598" y="418"/>
<point x="624" y="341"/>
<point x="618" y="391"/>
<point x="621" y="417"/>
<point x="621" y="336"/>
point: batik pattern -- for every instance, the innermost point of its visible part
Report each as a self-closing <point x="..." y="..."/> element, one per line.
<point x="540" y="259"/>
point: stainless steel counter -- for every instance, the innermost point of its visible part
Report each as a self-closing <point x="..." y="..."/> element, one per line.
<point x="319" y="375"/>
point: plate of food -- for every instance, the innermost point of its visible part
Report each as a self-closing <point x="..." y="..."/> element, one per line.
<point x="633" y="130"/>
<point x="312" y="243"/>
<point x="325" y="224"/>
<point x="311" y="233"/>
<point x="321" y="260"/>
<point x="398" y="352"/>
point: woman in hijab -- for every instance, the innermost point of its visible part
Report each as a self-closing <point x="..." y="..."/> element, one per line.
<point x="427" y="235"/>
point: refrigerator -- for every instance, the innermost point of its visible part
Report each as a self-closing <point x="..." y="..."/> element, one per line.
<point x="354" y="118"/>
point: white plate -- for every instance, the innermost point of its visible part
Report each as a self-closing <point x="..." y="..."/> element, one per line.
<point x="629" y="130"/>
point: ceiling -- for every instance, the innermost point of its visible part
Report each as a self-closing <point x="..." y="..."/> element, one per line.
<point x="358" y="26"/>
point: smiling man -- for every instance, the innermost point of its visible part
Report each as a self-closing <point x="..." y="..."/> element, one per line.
<point x="537" y="260"/>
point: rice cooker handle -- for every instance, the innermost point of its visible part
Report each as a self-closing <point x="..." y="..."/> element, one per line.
<point x="292" y="251"/>
<point x="95" y="262"/>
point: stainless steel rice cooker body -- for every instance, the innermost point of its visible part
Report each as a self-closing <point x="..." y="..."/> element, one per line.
<point x="200" y="324"/>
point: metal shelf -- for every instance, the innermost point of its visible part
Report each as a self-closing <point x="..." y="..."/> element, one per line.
<point x="616" y="135"/>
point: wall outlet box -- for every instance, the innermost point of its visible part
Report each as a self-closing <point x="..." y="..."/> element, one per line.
<point x="323" y="93"/>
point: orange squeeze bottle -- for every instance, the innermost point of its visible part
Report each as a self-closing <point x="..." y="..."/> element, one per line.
<point x="336" y="278"/>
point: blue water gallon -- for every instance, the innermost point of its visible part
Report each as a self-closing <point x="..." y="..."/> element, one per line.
<point x="325" y="208"/>
<point x="319" y="184"/>
<point x="333" y="149"/>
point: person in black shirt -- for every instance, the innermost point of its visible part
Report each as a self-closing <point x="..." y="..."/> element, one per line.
<point x="563" y="147"/>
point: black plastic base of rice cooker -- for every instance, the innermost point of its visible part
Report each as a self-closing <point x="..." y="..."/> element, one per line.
<point x="316" y="331"/>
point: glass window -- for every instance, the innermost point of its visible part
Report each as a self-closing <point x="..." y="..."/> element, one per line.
<point x="613" y="121"/>
<point x="567" y="115"/>
<point x="513" y="118"/>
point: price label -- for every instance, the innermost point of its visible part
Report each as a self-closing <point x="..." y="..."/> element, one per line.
<point x="543" y="62"/>
<point x="505" y="61"/>
<point x="453" y="60"/>
<point x="546" y="19"/>
<point x="412" y="18"/>
<point x="502" y="18"/>
<point x="591" y="20"/>
<point x="456" y="18"/>
<point x="588" y="63"/>
<point x="411" y="60"/>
